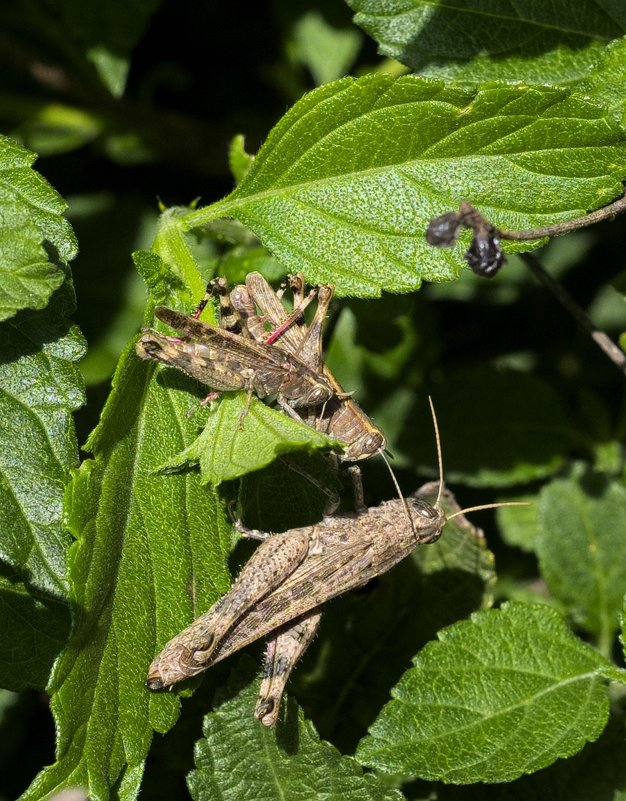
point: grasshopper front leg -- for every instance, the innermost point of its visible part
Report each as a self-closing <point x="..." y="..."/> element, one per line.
<point x="283" y="651"/>
<point x="190" y="651"/>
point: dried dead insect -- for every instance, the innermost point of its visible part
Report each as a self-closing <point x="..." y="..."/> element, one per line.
<point x="226" y="362"/>
<point x="484" y="255"/>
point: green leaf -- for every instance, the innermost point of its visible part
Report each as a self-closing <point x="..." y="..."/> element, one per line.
<point x="238" y="160"/>
<point x="347" y="181"/>
<point x="40" y="386"/>
<point x="328" y="52"/>
<point x="603" y="83"/>
<point x="518" y="524"/>
<point x="582" y="550"/>
<point x="53" y="128"/>
<point x="597" y="772"/>
<point x="367" y="640"/>
<point x="506" y="693"/>
<point x="34" y="237"/>
<point x="482" y="40"/>
<point x="511" y="428"/>
<point x="235" y="441"/>
<point x="238" y="757"/>
<point x="108" y="34"/>
<point x="622" y="621"/>
<point x="150" y="555"/>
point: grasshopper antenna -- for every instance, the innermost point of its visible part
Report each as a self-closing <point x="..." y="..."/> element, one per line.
<point x="486" y="506"/>
<point x="398" y="490"/>
<point x="440" y="461"/>
<point x="439" y="456"/>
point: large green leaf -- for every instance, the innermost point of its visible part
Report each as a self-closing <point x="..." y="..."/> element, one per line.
<point x="40" y="386"/>
<point x="506" y="693"/>
<point x="347" y="181"/>
<point x="34" y="236"/>
<point x="597" y="772"/>
<point x="581" y="545"/>
<point x="239" y="758"/>
<point x="480" y="40"/>
<point x="150" y="555"/>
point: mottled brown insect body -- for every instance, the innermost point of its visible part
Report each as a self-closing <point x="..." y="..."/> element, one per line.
<point x="341" y="417"/>
<point x="289" y="577"/>
<point x="226" y="362"/>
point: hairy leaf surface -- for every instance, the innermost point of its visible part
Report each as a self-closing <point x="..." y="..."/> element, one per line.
<point x="34" y="236"/>
<point x="506" y="693"/>
<point x="238" y="757"/>
<point x="479" y="40"/>
<point x="347" y="181"/>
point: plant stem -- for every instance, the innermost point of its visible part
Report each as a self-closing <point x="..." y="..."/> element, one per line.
<point x="605" y="213"/>
<point x="610" y="349"/>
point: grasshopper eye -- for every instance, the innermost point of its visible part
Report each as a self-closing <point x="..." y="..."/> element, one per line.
<point x="317" y="396"/>
<point x="423" y="509"/>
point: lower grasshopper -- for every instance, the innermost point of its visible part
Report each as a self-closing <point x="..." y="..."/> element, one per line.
<point x="281" y="590"/>
<point x="226" y="362"/>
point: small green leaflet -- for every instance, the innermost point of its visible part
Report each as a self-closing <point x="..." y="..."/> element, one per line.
<point x="231" y="445"/>
<point x="347" y="181"/>
<point x="504" y="694"/>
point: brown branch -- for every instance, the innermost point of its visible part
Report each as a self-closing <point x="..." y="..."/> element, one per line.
<point x="605" y="213"/>
<point x="610" y="349"/>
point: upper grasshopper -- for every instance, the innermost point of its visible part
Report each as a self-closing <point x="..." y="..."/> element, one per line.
<point x="226" y="362"/>
<point x="341" y="417"/>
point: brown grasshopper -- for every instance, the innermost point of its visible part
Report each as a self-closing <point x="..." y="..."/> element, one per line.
<point x="283" y="586"/>
<point x="226" y="362"/>
<point x="341" y="417"/>
<point x="281" y="590"/>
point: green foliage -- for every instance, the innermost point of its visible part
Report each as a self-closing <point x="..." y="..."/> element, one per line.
<point x="294" y="763"/>
<point x="582" y="550"/>
<point x="238" y="439"/>
<point x="503" y="694"/>
<point x="518" y="109"/>
<point x="347" y="181"/>
<point x="480" y="41"/>
<point x="35" y="240"/>
<point x="39" y="389"/>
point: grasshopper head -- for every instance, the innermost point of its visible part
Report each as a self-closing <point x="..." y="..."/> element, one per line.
<point x="428" y="520"/>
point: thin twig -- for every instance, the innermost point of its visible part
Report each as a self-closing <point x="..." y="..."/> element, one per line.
<point x="605" y="213"/>
<point x="611" y="350"/>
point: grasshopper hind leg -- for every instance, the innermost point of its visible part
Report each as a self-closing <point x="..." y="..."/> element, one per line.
<point x="283" y="651"/>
